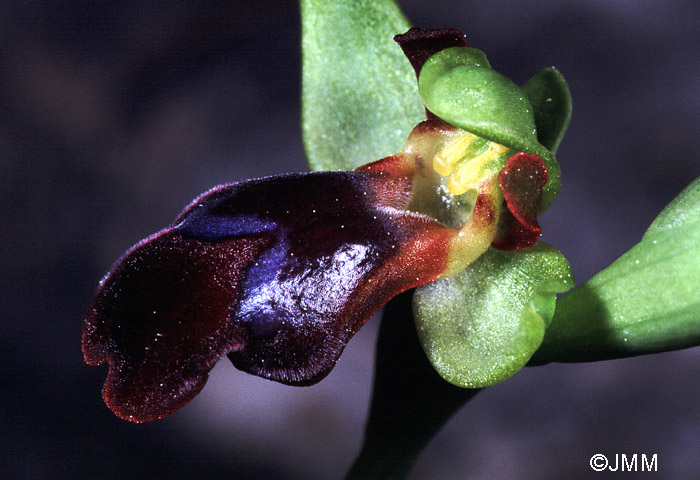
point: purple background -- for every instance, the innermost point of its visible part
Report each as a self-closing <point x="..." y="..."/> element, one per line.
<point x="114" y="115"/>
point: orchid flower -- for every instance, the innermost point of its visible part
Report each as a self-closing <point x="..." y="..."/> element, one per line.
<point x="279" y="273"/>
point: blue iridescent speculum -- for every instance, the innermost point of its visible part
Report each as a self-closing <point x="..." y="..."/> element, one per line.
<point x="278" y="273"/>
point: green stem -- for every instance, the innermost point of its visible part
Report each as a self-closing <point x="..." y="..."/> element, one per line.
<point x="410" y="401"/>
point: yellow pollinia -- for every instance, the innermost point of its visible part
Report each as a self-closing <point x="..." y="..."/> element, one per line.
<point x="466" y="160"/>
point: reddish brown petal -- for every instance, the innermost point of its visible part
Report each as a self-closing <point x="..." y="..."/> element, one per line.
<point x="278" y="273"/>
<point x="343" y="247"/>
<point x="521" y="181"/>
<point x="160" y="319"/>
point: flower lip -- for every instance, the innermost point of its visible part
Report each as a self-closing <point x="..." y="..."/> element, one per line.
<point x="158" y="320"/>
<point x="277" y="273"/>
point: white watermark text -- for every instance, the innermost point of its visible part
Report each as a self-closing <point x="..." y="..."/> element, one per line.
<point x="621" y="462"/>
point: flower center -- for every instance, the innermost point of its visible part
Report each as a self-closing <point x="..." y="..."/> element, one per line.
<point x="468" y="160"/>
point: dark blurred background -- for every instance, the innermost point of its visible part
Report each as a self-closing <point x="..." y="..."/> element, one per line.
<point x="114" y="115"/>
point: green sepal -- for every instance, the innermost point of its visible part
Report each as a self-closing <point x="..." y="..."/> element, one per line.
<point x="550" y="98"/>
<point x="468" y="94"/>
<point x="483" y="325"/>
<point x="359" y="96"/>
<point x="455" y="57"/>
<point x="464" y="91"/>
<point x="646" y="301"/>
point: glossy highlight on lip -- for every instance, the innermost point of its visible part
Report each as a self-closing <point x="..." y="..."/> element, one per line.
<point x="278" y="273"/>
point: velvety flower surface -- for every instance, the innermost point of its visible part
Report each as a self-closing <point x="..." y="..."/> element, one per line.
<point x="279" y="273"/>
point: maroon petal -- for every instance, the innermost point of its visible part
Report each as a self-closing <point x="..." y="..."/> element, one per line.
<point x="278" y="273"/>
<point x="420" y="44"/>
<point x="521" y="181"/>
<point x="159" y="319"/>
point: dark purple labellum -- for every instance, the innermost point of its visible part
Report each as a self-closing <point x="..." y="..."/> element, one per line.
<point x="278" y="273"/>
<point x="158" y="319"/>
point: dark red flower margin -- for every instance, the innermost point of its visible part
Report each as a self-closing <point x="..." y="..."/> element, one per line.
<point x="279" y="273"/>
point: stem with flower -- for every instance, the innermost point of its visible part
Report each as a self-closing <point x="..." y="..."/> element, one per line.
<point x="279" y="273"/>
